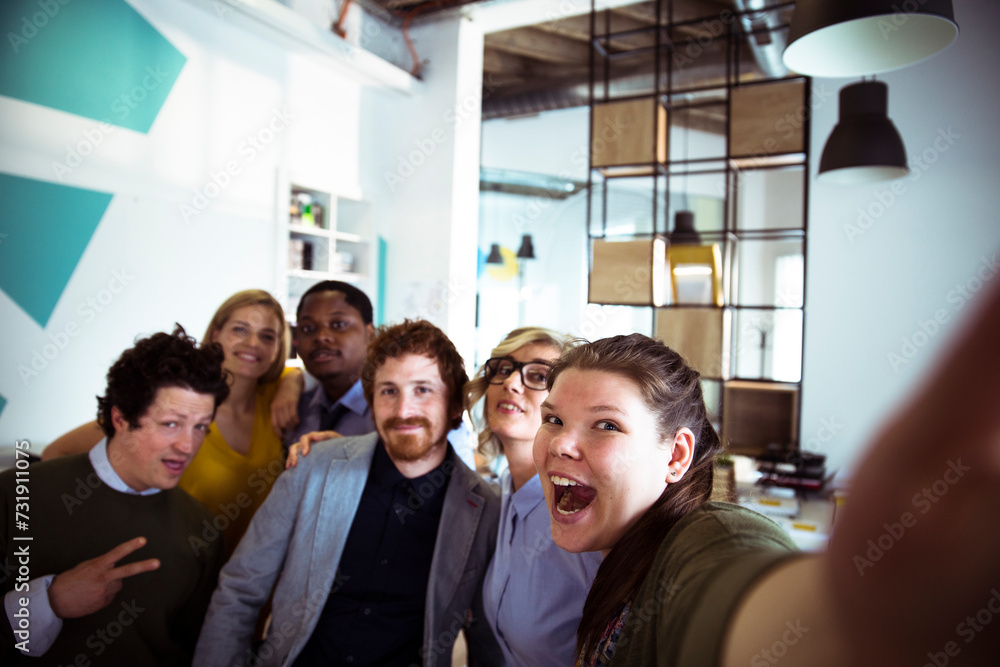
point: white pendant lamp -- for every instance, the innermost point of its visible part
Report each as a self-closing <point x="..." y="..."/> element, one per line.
<point x="850" y="38"/>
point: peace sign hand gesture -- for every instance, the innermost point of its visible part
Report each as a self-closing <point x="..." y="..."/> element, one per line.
<point x="93" y="584"/>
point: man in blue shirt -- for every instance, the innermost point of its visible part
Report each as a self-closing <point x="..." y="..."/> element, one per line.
<point x="333" y="329"/>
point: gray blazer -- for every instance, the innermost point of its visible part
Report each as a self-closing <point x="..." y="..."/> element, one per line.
<point x="297" y="538"/>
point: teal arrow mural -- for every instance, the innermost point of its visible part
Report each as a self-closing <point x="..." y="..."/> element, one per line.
<point x="44" y="229"/>
<point x="94" y="58"/>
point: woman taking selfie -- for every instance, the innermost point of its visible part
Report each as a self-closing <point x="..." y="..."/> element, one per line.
<point x="625" y="454"/>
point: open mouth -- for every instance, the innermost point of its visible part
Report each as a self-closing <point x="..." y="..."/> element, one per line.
<point x="506" y="407"/>
<point x="175" y="466"/>
<point x="570" y="496"/>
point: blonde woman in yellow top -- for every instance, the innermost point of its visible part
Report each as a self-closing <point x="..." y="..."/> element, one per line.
<point x="242" y="454"/>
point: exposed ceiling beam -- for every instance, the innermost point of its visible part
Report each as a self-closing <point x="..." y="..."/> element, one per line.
<point x="683" y="11"/>
<point x="497" y="15"/>
<point x="578" y="27"/>
<point x="540" y="45"/>
<point x="501" y="62"/>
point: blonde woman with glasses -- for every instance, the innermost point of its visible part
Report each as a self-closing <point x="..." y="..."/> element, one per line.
<point x="534" y="591"/>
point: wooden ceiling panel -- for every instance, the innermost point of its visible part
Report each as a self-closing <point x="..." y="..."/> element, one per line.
<point x="684" y="10"/>
<point x="533" y="43"/>
<point x="498" y="61"/>
<point x="578" y="27"/>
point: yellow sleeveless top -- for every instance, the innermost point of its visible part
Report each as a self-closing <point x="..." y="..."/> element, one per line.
<point x="233" y="485"/>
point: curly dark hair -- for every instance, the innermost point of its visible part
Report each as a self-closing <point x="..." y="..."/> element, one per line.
<point x="162" y="360"/>
<point x="418" y="337"/>
<point x="672" y="391"/>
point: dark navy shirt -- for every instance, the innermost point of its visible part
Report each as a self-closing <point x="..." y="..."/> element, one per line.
<point x="374" y="614"/>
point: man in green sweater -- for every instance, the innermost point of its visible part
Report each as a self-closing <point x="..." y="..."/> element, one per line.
<point x="100" y="565"/>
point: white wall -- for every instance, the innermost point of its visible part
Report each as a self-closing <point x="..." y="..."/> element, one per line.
<point x="552" y="142"/>
<point x="877" y="279"/>
<point x="420" y="169"/>
<point x="176" y="267"/>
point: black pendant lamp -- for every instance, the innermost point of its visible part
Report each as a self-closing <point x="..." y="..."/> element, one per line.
<point x="527" y="249"/>
<point x="848" y="38"/>
<point x="865" y="145"/>
<point x="684" y="232"/>
<point x="495" y="257"/>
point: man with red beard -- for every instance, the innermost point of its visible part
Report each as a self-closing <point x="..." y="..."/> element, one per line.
<point x="378" y="543"/>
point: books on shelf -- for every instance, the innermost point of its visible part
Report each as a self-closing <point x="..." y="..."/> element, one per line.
<point x="300" y="255"/>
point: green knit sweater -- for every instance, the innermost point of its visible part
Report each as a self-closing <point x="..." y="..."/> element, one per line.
<point x="71" y="517"/>
<point x="704" y="566"/>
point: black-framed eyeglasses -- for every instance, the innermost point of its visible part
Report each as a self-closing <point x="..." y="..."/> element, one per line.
<point x="534" y="374"/>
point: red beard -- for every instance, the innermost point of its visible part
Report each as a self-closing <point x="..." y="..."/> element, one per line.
<point x="408" y="446"/>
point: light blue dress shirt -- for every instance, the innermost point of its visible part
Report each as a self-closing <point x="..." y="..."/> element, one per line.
<point x="314" y="403"/>
<point x="534" y="591"/>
